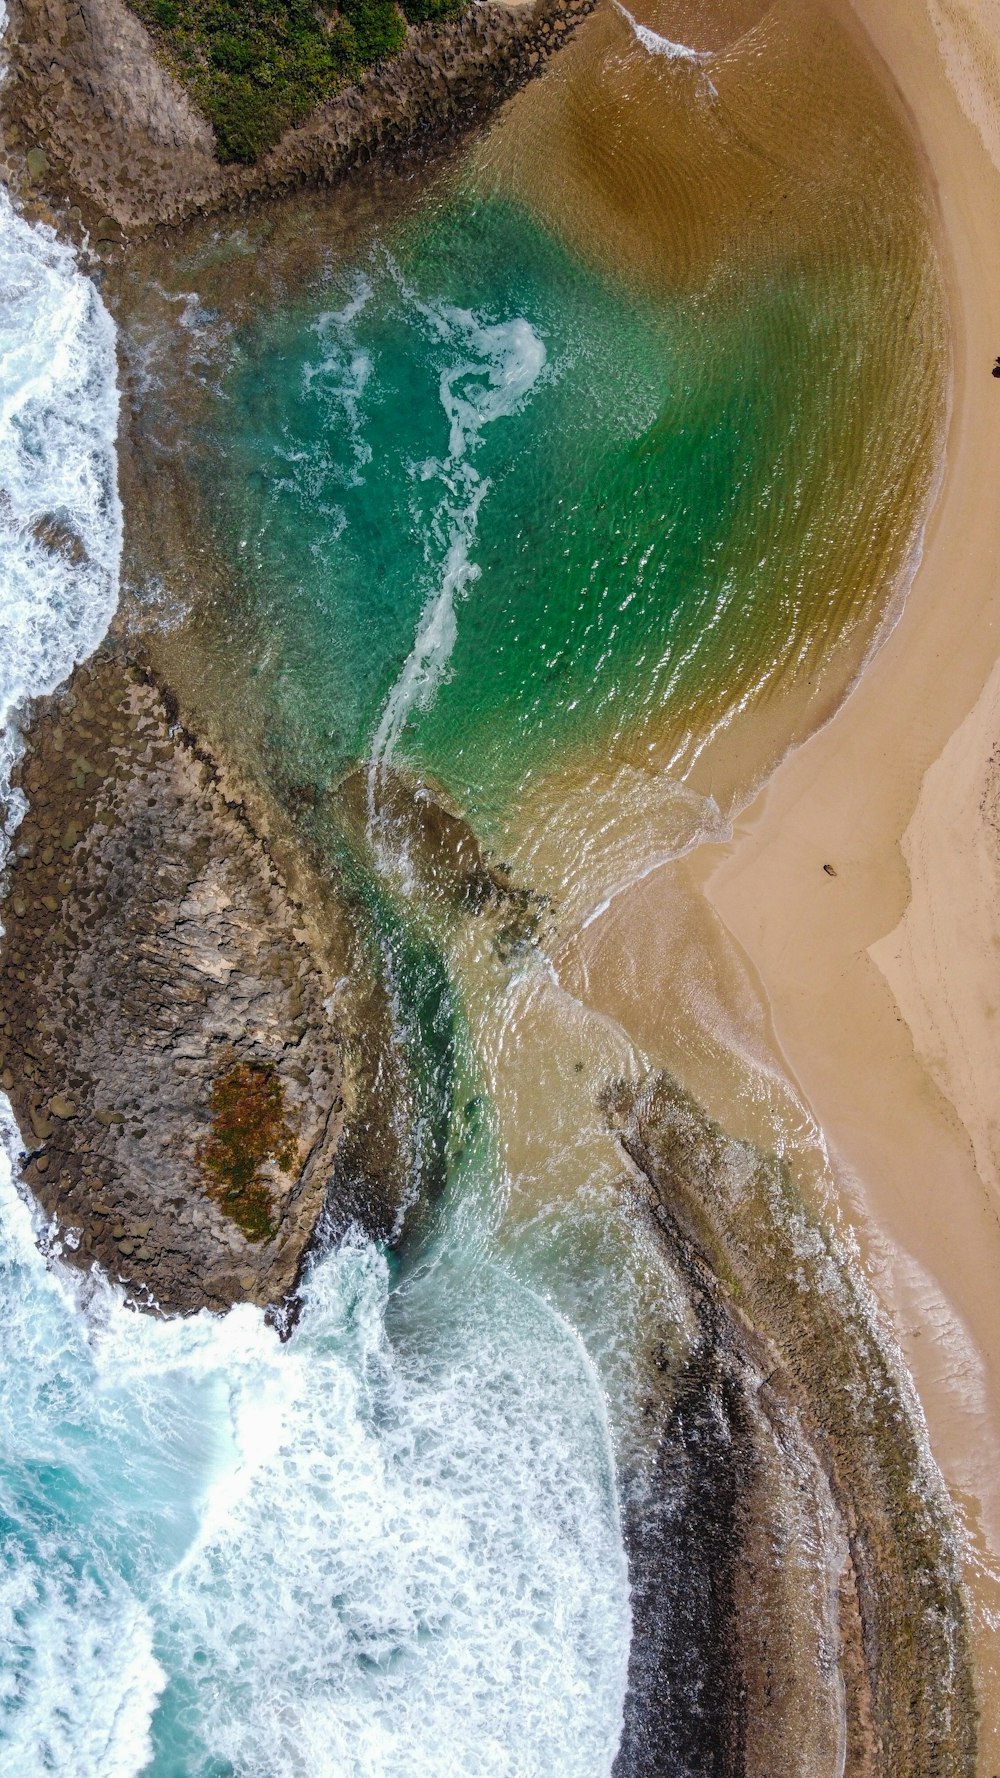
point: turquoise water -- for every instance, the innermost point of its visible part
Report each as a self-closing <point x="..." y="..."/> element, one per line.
<point x="487" y="512"/>
<point x="540" y="511"/>
<point x="390" y="1546"/>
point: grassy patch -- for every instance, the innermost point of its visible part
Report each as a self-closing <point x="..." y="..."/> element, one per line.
<point x="249" y="1128"/>
<point x="257" y="66"/>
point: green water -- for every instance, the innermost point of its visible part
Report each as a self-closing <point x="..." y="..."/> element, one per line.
<point x="683" y="505"/>
<point x="486" y="513"/>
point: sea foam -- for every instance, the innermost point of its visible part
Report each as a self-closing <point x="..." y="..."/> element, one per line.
<point x="391" y="1545"/>
<point x="60" y="516"/>
<point x="658" y="45"/>
<point x="489" y="370"/>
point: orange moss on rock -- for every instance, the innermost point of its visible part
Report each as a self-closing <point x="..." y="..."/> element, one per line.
<point x="249" y="1129"/>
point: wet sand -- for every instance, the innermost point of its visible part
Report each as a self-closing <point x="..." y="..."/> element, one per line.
<point x="868" y="1000"/>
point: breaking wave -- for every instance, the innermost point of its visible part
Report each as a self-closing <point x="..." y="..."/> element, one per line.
<point x="390" y="1545"/>
<point x="60" y="516"/>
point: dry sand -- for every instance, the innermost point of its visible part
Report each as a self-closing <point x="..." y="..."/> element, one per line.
<point x="869" y="1000"/>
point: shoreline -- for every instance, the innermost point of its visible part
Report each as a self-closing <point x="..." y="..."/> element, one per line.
<point x="829" y="1016"/>
<point x="645" y="1709"/>
<point x="876" y="982"/>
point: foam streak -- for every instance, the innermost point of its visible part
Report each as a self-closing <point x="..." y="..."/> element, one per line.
<point x="499" y="365"/>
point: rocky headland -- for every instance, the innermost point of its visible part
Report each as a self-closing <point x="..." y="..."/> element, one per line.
<point x="167" y="1040"/>
<point x="797" y="1594"/>
<point x="93" y="116"/>
<point x="199" y="1108"/>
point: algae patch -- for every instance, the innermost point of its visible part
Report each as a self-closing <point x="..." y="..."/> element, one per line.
<point x="249" y="1129"/>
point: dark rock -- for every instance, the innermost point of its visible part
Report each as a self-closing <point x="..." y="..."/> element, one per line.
<point x="139" y="154"/>
<point x="792" y="1409"/>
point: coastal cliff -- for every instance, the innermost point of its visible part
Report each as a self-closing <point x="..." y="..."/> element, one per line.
<point x="166" y="1043"/>
<point x="108" y="125"/>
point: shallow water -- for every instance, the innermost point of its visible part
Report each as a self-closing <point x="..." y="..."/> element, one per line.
<point x="497" y="510"/>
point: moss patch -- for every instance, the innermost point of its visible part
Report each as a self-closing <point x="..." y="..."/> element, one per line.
<point x="255" y="67"/>
<point x="249" y="1128"/>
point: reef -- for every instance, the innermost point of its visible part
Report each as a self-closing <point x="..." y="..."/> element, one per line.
<point x="205" y="1068"/>
<point x="167" y="1040"/>
<point x="797" y="1593"/>
<point x="96" y="121"/>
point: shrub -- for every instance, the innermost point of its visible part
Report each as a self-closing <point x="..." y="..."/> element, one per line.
<point x="257" y="66"/>
<point x="379" y="30"/>
<point x="419" y="12"/>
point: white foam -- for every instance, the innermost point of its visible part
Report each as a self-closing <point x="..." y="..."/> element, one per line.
<point x="390" y="1546"/>
<point x="663" y="46"/>
<point x="498" y="365"/>
<point x="339" y="380"/>
<point x="60" y="517"/>
<point x="656" y="45"/>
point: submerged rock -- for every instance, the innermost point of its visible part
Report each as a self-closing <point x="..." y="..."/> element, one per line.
<point x="172" y="1065"/>
<point x="435" y="849"/>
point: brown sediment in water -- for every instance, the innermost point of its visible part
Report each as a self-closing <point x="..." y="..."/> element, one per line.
<point x="910" y="1701"/>
<point x="670" y="175"/>
<point x="903" y="1087"/>
<point x="797" y="163"/>
<point x="733" y="1423"/>
<point x="880" y="985"/>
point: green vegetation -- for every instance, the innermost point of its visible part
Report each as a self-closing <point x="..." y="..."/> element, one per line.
<point x="419" y="12"/>
<point x="249" y="1128"/>
<point x="255" y="67"/>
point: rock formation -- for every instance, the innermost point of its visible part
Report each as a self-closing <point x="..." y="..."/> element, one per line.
<point x="797" y="1594"/>
<point x="166" y="1040"/>
<point x="84" y="84"/>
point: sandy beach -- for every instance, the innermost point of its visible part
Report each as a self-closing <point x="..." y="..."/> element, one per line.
<point x="856" y="1011"/>
<point x="860" y="1004"/>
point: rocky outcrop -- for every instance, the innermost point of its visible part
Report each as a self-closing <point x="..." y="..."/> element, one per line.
<point x="797" y="1593"/>
<point x="85" y="85"/>
<point x="154" y="962"/>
